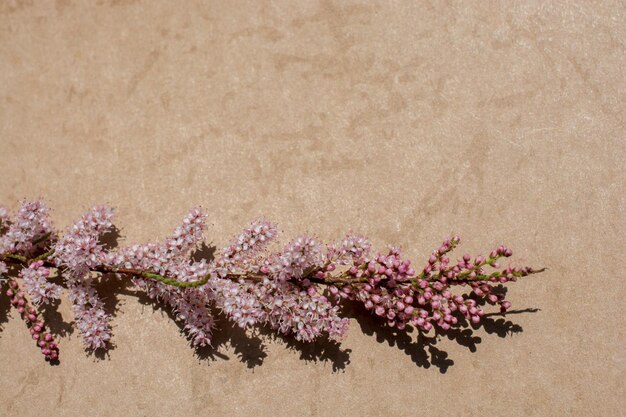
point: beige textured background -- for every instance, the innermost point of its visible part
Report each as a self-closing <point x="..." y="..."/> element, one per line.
<point x="406" y="121"/>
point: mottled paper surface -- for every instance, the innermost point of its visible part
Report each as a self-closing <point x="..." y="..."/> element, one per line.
<point x="406" y="121"/>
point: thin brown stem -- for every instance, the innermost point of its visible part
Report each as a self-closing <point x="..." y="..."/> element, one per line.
<point x="340" y="279"/>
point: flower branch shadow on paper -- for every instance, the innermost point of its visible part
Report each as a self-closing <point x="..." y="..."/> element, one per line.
<point x="5" y="307"/>
<point x="422" y="349"/>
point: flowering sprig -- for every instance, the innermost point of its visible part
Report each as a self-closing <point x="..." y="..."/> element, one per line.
<point x="297" y="290"/>
<point x="45" y="341"/>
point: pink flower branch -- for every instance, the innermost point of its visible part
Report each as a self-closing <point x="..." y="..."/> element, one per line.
<point x="296" y="290"/>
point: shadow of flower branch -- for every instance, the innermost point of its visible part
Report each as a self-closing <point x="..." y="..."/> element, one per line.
<point x="422" y="348"/>
<point x="250" y="346"/>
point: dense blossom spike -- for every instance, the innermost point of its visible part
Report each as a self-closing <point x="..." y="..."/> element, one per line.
<point x="188" y="235"/>
<point x="158" y="257"/>
<point x="351" y="247"/>
<point x="239" y="255"/>
<point x="252" y="240"/>
<point x="91" y="318"/>
<point x="31" y="223"/>
<point x="302" y="254"/>
<point x="190" y="306"/>
<point x="297" y="290"/>
<point x="79" y="251"/>
<point x="306" y="314"/>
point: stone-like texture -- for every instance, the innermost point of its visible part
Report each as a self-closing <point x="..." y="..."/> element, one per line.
<point x="406" y="121"/>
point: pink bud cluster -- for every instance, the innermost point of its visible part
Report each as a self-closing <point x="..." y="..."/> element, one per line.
<point x="471" y="272"/>
<point x="187" y="236"/>
<point x="296" y="290"/>
<point x="390" y="288"/>
<point x="384" y="286"/>
<point x="239" y="301"/>
<point x="44" y="340"/>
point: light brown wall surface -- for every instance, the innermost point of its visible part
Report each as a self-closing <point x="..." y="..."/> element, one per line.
<point x="406" y="121"/>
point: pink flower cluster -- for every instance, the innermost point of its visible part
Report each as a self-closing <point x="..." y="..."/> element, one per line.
<point x="351" y="248"/>
<point x="162" y="257"/>
<point x="271" y="300"/>
<point x="39" y="289"/>
<point x="80" y="252"/>
<point x="79" y="249"/>
<point x="191" y="306"/>
<point x="302" y="254"/>
<point x="239" y="255"/>
<point x="296" y="290"/>
<point x="31" y="223"/>
<point x="283" y="306"/>
<point x="171" y="258"/>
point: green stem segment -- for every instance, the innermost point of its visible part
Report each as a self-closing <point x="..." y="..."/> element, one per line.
<point x="42" y="238"/>
<point x="44" y="256"/>
<point x="174" y="282"/>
